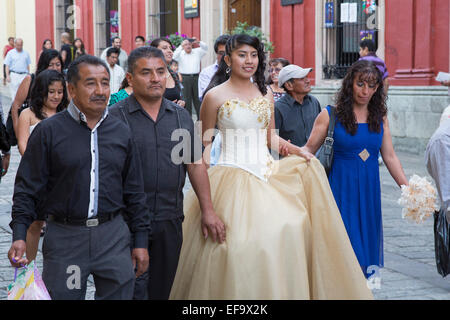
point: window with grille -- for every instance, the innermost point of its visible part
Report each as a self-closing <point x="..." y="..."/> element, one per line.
<point x="106" y="24"/>
<point x="64" y="20"/>
<point x="162" y="18"/>
<point x="346" y="24"/>
<point x="169" y="17"/>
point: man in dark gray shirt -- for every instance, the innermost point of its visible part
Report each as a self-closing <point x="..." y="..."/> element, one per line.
<point x="296" y="111"/>
<point x="158" y="125"/>
<point x="81" y="168"/>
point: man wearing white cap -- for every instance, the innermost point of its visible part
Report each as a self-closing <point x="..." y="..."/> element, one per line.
<point x="296" y="111"/>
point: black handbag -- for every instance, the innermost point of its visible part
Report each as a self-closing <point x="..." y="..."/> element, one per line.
<point x="10" y="127"/>
<point x="442" y="242"/>
<point x="4" y="138"/>
<point x="9" y="122"/>
<point x="325" y="153"/>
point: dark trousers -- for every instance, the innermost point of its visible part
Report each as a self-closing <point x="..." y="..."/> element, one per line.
<point x="190" y="93"/>
<point x="164" y="250"/>
<point x="72" y="253"/>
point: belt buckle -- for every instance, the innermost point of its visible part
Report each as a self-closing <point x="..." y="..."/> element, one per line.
<point x="92" y="222"/>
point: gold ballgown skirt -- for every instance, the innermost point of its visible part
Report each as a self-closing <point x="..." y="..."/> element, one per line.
<point x="285" y="238"/>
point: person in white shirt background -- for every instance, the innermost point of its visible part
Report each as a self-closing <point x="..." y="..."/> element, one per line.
<point x="139" y="41"/>
<point x="207" y="73"/>
<point x="446" y="112"/>
<point x="123" y="56"/>
<point x="189" y="55"/>
<point x="447" y="84"/>
<point x="116" y="71"/>
<point x="437" y="160"/>
<point x="17" y="64"/>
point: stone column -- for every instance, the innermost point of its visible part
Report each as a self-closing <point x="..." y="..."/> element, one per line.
<point x="23" y="20"/>
<point x="210" y="27"/>
<point x="85" y="23"/>
<point x="132" y="22"/>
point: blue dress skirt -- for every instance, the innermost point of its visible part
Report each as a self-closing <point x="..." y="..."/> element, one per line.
<point x="355" y="183"/>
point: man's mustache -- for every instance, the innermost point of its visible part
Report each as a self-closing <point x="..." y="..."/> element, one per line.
<point x="154" y="85"/>
<point x="97" y="98"/>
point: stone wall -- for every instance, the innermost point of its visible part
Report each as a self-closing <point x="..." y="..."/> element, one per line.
<point x="413" y="113"/>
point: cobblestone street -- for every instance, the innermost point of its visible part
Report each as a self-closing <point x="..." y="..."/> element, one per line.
<point x="409" y="272"/>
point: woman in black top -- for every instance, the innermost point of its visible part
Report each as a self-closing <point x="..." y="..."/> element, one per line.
<point x="174" y="94"/>
<point x="174" y="89"/>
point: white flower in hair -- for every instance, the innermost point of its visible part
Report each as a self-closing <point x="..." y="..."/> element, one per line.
<point x="418" y="199"/>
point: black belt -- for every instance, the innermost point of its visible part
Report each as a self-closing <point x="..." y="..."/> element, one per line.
<point x="189" y="74"/>
<point x="19" y="72"/>
<point x="91" y="222"/>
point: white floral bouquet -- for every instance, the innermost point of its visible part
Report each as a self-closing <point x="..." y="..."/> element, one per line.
<point x="418" y="199"/>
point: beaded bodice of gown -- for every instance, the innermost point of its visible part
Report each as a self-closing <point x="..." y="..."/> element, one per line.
<point x="244" y="126"/>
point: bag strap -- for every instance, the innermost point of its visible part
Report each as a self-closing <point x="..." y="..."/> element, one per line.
<point x="26" y="102"/>
<point x="31" y="86"/>
<point x="331" y="125"/>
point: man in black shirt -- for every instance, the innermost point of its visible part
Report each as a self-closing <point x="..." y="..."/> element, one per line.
<point x="158" y="125"/>
<point x="81" y="169"/>
<point x="297" y="110"/>
<point x="67" y="51"/>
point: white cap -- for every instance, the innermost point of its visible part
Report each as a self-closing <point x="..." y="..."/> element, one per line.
<point x="292" y="72"/>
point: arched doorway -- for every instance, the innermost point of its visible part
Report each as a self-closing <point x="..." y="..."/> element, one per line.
<point x="244" y="11"/>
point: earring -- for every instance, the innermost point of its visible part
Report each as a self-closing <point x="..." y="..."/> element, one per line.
<point x="228" y="70"/>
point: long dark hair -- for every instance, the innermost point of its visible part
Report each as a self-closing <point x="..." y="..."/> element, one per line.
<point x="124" y="84"/>
<point x="39" y="92"/>
<point x="83" y="50"/>
<point x="46" y="57"/>
<point x="365" y="71"/>
<point x="155" y="43"/>
<point x="43" y="44"/>
<point x="235" y="42"/>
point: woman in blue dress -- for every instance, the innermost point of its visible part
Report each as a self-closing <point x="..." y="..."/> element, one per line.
<point x="361" y="131"/>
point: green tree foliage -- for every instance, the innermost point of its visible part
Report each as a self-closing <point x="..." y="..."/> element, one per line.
<point x="243" y="27"/>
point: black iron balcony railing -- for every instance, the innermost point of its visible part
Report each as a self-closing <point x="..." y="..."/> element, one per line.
<point x="346" y="23"/>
